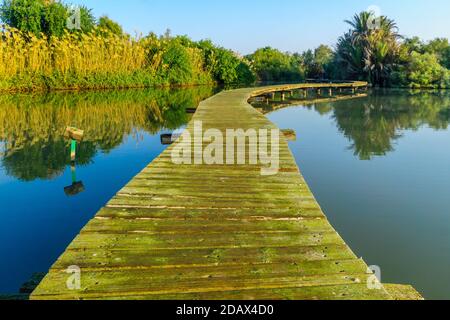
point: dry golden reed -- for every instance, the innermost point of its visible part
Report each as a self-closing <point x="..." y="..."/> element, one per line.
<point x="84" y="60"/>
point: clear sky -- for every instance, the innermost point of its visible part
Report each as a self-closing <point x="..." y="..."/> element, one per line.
<point x="289" y="25"/>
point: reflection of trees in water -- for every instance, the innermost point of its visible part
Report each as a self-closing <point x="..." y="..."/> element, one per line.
<point x="373" y="123"/>
<point x="45" y="159"/>
<point x="32" y="127"/>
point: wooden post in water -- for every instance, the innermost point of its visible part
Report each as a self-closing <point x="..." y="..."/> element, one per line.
<point x="289" y="134"/>
<point x="75" y="135"/>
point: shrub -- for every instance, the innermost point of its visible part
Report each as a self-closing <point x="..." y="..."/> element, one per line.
<point x="424" y="70"/>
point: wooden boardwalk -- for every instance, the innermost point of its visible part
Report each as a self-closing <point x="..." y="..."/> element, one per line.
<point x="215" y="231"/>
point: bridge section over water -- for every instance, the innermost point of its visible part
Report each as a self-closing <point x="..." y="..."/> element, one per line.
<point x="215" y="231"/>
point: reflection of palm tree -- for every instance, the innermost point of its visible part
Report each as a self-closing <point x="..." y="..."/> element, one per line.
<point x="32" y="128"/>
<point x="373" y="123"/>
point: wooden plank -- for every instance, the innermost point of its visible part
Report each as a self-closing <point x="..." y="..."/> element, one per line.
<point x="215" y="232"/>
<point x="333" y="292"/>
<point x="403" y="292"/>
<point x="112" y="258"/>
<point x="104" y="284"/>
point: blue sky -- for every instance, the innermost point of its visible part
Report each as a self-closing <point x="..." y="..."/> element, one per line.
<point x="290" y="25"/>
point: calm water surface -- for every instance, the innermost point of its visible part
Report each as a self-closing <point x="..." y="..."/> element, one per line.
<point x="380" y="168"/>
<point x="38" y="219"/>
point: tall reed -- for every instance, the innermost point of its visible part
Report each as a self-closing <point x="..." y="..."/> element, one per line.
<point x="87" y="60"/>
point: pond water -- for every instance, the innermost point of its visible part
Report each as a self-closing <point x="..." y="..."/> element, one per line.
<point x="380" y="168"/>
<point x="43" y="206"/>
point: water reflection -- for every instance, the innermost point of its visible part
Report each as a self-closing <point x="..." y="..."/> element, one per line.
<point x="394" y="211"/>
<point x="32" y="127"/>
<point x="76" y="187"/>
<point x="374" y="122"/>
<point x="46" y="199"/>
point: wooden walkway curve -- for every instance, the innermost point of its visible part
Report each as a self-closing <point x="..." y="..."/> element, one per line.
<point x="215" y="231"/>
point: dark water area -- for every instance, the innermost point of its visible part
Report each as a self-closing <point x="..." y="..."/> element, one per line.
<point x="380" y="168"/>
<point x="44" y="201"/>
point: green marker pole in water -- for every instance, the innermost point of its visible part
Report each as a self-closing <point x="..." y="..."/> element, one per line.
<point x="74" y="173"/>
<point x="74" y="135"/>
<point x="73" y="150"/>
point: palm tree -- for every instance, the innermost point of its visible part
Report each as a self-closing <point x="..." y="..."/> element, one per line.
<point x="369" y="51"/>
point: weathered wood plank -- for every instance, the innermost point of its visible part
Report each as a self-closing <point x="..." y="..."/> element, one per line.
<point x="402" y="292"/>
<point x="112" y="258"/>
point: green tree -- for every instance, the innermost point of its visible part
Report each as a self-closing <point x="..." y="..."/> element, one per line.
<point x="323" y="55"/>
<point x="318" y="64"/>
<point x="414" y="44"/>
<point x="225" y="65"/>
<point x="446" y="58"/>
<point x="424" y="70"/>
<point x="441" y="48"/>
<point x="245" y="74"/>
<point x="87" y="19"/>
<point x="176" y="65"/>
<point x="42" y="16"/>
<point x="106" y="23"/>
<point x="25" y="15"/>
<point x="273" y="65"/>
<point x="225" y="70"/>
<point x="54" y="19"/>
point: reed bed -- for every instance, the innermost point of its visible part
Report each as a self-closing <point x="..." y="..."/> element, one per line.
<point x="88" y="61"/>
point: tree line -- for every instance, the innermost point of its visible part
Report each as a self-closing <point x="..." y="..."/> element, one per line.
<point x="39" y="51"/>
<point x="372" y="50"/>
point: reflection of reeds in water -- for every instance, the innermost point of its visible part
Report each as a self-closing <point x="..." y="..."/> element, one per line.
<point x="104" y="116"/>
<point x="32" y="127"/>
